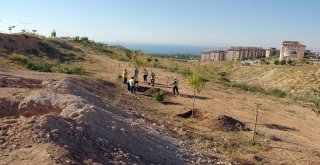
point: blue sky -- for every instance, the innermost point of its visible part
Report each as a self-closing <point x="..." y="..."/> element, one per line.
<point x="207" y="23"/>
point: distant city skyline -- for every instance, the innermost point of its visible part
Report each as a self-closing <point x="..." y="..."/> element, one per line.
<point x="187" y="23"/>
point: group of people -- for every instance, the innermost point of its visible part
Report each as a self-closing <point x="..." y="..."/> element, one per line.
<point x="133" y="82"/>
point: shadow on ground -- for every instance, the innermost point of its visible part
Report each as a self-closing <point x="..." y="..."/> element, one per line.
<point x="280" y="127"/>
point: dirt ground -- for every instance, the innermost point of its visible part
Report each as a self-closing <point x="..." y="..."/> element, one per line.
<point x="96" y="120"/>
<point x="287" y="130"/>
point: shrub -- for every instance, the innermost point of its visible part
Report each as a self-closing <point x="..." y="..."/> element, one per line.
<point x="20" y="58"/>
<point x="277" y="92"/>
<point x="119" y="76"/>
<point x="306" y="60"/>
<point x="250" y="143"/>
<point x="69" y="69"/>
<point x="283" y="62"/>
<point x="2" y="52"/>
<point x="159" y="96"/>
<point x="276" y="62"/>
<point x="41" y="66"/>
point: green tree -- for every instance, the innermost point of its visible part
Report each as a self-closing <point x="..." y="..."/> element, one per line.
<point x="34" y="31"/>
<point x="54" y="34"/>
<point x="77" y="38"/>
<point x="11" y="28"/>
<point x="197" y="82"/>
<point x="23" y="31"/>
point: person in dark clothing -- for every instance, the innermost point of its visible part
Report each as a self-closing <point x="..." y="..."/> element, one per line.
<point x="175" y="86"/>
<point x="152" y="78"/>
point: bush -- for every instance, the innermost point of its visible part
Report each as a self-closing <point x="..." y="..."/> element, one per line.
<point x="283" y="62"/>
<point x="277" y="92"/>
<point x="276" y="62"/>
<point x="69" y="69"/>
<point x="40" y="66"/>
<point x="306" y="60"/>
<point x="20" y="58"/>
<point x="250" y="143"/>
<point x="159" y="96"/>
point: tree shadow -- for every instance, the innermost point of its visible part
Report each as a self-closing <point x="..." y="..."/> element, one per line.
<point x="197" y="97"/>
<point x="280" y="127"/>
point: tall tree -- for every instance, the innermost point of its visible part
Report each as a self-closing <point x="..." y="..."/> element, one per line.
<point x="197" y="82"/>
<point x="53" y="34"/>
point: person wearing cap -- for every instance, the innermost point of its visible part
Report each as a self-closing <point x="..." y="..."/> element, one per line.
<point x="175" y="86"/>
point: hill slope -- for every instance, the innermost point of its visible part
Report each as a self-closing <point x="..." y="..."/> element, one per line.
<point x="92" y="118"/>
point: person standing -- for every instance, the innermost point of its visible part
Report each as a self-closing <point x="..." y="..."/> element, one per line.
<point x="125" y="76"/>
<point x="145" y="75"/>
<point x="132" y="85"/>
<point x="135" y="74"/>
<point x="152" y="78"/>
<point x="175" y="86"/>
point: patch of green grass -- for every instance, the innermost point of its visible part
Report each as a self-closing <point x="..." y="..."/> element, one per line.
<point x="40" y="66"/>
<point x="250" y="143"/>
<point x="69" y="68"/>
<point x="50" y="66"/>
<point x="159" y="96"/>
<point x="19" y="58"/>
<point x="315" y="100"/>
<point x="255" y="88"/>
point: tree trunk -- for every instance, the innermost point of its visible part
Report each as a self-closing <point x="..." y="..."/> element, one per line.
<point x="194" y="99"/>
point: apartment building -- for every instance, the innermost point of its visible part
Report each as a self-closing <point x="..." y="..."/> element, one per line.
<point x="292" y="50"/>
<point x="214" y="55"/>
<point x="244" y="53"/>
<point x="272" y="52"/>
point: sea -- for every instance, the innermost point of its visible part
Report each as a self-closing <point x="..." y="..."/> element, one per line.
<point x="166" y="49"/>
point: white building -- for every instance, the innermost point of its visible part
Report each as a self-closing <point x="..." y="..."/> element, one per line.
<point x="292" y="50"/>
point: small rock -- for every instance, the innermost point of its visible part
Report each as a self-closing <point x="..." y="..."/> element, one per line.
<point x="28" y="146"/>
<point x="80" y="129"/>
<point x="255" y="157"/>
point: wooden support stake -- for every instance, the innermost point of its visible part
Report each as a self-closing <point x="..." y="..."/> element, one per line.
<point x="255" y="123"/>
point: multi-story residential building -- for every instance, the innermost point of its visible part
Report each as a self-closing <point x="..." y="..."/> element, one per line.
<point x="292" y="50"/>
<point x="217" y="55"/>
<point x="272" y="52"/>
<point x="214" y="55"/>
<point x="243" y="53"/>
